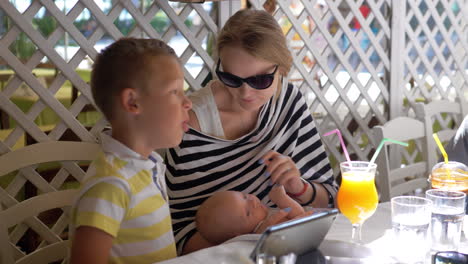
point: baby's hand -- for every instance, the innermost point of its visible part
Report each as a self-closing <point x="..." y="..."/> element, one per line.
<point x="277" y="194"/>
<point x="273" y="219"/>
<point x="282" y="200"/>
<point x="306" y="213"/>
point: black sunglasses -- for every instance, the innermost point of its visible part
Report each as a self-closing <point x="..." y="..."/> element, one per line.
<point x="450" y="257"/>
<point x="259" y="82"/>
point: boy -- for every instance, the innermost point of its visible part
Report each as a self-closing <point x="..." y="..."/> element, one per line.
<point x="228" y="214"/>
<point x="121" y="214"/>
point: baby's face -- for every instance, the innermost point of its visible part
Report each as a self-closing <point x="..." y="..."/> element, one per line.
<point x="248" y="209"/>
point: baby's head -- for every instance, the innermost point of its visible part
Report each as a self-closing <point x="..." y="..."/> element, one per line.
<point x="228" y="214"/>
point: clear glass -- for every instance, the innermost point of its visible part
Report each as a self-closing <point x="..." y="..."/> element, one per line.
<point x="448" y="211"/>
<point x="357" y="196"/>
<point x="411" y="216"/>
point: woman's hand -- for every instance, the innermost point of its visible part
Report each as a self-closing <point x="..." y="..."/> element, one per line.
<point x="283" y="171"/>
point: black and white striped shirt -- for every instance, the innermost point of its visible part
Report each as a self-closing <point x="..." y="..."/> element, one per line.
<point x="204" y="164"/>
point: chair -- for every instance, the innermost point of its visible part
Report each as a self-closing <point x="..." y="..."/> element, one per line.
<point x="429" y="112"/>
<point x="28" y="212"/>
<point x="56" y="251"/>
<point x="394" y="178"/>
<point x="49" y="173"/>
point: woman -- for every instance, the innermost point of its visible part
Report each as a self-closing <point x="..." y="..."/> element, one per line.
<point x="249" y="130"/>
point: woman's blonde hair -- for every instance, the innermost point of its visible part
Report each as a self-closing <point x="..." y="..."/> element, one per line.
<point x="258" y="33"/>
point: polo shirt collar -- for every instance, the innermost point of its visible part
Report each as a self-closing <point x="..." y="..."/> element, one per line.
<point x="111" y="146"/>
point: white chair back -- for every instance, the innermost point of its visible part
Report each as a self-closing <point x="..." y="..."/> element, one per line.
<point x="428" y="114"/>
<point x="24" y="214"/>
<point x="393" y="179"/>
<point x="27" y="212"/>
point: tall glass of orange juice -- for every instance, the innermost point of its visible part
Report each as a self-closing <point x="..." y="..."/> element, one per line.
<point x="357" y="195"/>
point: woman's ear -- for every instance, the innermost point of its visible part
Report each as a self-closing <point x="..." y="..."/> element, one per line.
<point x="129" y="100"/>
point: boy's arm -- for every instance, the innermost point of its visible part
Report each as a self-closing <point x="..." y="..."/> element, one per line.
<point x="90" y="245"/>
<point x="282" y="200"/>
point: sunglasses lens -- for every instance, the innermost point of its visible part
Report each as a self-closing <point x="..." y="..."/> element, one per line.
<point x="260" y="81"/>
<point x="450" y="258"/>
<point x="229" y="79"/>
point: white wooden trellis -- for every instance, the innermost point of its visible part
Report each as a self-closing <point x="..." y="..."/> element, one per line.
<point x="345" y="93"/>
<point x="344" y="110"/>
<point x="443" y="75"/>
<point x="23" y="23"/>
<point x="391" y="74"/>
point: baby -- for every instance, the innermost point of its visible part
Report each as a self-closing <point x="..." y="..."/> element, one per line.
<point x="228" y="214"/>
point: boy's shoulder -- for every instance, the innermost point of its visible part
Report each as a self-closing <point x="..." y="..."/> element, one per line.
<point x="107" y="164"/>
<point x="106" y="168"/>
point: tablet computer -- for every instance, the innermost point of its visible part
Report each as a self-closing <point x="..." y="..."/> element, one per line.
<point x="298" y="235"/>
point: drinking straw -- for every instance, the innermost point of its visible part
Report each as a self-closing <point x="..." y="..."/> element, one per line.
<point x="377" y="151"/>
<point x="343" y="146"/>
<point x="441" y="148"/>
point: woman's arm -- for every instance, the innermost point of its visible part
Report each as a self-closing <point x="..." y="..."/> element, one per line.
<point x="194" y="243"/>
<point x="90" y="245"/>
<point x="321" y="197"/>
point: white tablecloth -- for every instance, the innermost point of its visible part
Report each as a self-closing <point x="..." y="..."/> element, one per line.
<point x="376" y="236"/>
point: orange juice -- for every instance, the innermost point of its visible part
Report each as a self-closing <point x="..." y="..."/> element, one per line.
<point x="453" y="180"/>
<point x="357" y="196"/>
<point x="452" y="176"/>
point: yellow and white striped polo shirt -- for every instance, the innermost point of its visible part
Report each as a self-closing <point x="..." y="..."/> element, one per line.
<point x="125" y="196"/>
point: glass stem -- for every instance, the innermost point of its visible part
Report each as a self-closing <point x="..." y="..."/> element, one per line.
<point x="356" y="234"/>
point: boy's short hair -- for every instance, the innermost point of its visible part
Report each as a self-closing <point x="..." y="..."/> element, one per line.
<point x="124" y="64"/>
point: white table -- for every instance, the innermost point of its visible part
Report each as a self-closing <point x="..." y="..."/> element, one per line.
<point x="376" y="236"/>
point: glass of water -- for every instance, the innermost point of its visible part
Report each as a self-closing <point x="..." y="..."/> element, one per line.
<point x="448" y="211"/>
<point x="411" y="216"/>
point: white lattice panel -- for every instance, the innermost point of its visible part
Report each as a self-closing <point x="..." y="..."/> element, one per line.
<point x="343" y="62"/>
<point x="195" y="36"/>
<point x="342" y="68"/>
<point x="349" y="81"/>
<point x="435" y="57"/>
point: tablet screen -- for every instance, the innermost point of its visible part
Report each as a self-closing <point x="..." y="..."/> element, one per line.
<point x="298" y="235"/>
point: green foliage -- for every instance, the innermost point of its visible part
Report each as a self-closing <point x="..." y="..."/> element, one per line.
<point x="125" y="26"/>
<point x="160" y="23"/>
<point x="188" y="23"/>
<point x="46" y="25"/>
<point x="23" y="47"/>
<point x="80" y="24"/>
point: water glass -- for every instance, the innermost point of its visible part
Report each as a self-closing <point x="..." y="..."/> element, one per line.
<point x="411" y="216"/>
<point x="448" y="211"/>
